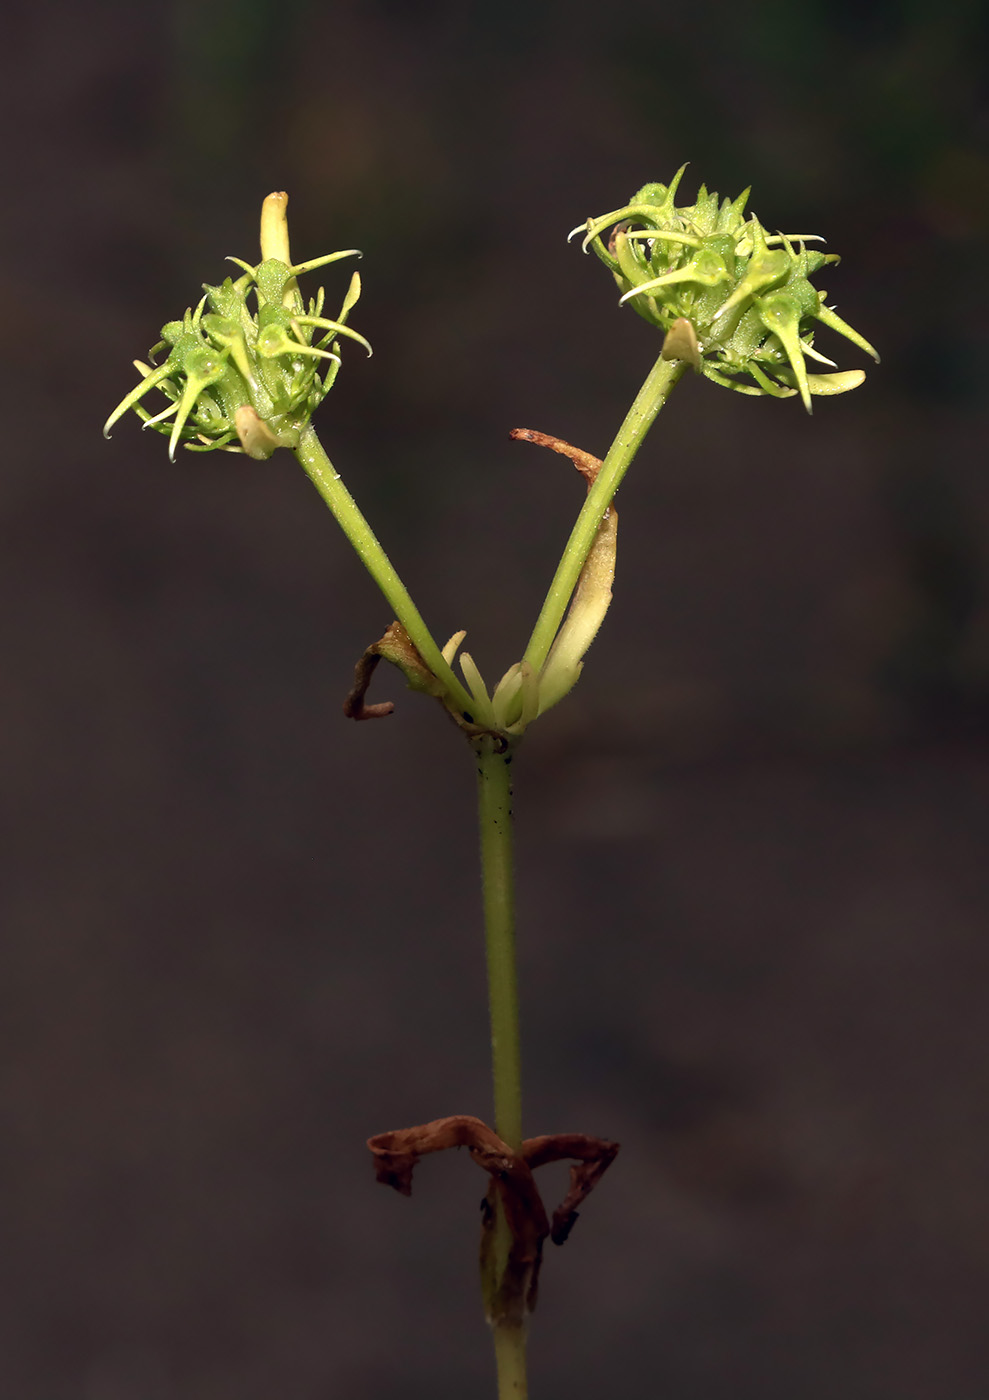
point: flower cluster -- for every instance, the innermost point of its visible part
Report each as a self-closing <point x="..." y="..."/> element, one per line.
<point x="733" y="299"/>
<point x="241" y="379"/>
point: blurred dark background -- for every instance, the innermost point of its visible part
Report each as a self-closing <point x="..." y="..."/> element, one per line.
<point x="240" y="934"/>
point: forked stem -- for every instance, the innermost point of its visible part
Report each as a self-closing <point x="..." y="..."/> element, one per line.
<point x="494" y="779"/>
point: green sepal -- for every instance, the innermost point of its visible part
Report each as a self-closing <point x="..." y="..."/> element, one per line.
<point x="828" y="318"/>
<point x="780" y="315"/>
<point x="827" y="385"/>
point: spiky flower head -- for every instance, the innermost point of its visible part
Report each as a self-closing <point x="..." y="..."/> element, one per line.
<point x="243" y="379"/>
<point x="733" y="299"/>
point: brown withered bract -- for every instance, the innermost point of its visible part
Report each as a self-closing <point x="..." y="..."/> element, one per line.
<point x="397" y="647"/>
<point x="396" y="1154"/>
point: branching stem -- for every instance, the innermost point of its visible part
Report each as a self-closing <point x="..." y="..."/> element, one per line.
<point x="494" y="773"/>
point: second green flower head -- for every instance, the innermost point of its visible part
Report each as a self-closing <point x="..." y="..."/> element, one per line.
<point x="733" y="299"/>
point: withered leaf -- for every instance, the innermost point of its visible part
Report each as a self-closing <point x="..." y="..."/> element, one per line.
<point x="396" y="1154"/>
<point x="397" y="647"/>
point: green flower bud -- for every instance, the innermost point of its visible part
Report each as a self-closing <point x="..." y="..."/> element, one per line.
<point x="243" y="379"/>
<point x="733" y="299"/>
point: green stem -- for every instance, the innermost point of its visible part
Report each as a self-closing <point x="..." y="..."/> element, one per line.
<point x="348" y="516"/>
<point x="494" y="804"/>
<point x="639" y="419"/>
<point x="509" y="1344"/>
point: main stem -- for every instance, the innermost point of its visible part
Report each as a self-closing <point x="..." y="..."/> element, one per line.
<point x="494" y="805"/>
<point x="494" y="801"/>
<point x="493" y="774"/>
<point x="648" y="401"/>
<point x="349" y="517"/>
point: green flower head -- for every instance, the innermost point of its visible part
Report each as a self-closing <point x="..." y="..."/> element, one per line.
<point x="732" y="298"/>
<point x="247" y="380"/>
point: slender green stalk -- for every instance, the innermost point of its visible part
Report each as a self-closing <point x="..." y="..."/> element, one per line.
<point x="494" y="804"/>
<point x="312" y="455"/>
<point x="649" y="400"/>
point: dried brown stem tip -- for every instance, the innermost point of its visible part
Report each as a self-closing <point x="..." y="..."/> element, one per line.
<point x="586" y="464"/>
<point x="592" y="595"/>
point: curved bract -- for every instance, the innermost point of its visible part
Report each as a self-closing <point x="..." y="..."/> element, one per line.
<point x="733" y="299"/>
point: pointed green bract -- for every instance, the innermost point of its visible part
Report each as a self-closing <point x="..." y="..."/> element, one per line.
<point x="746" y="292"/>
<point x="248" y="373"/>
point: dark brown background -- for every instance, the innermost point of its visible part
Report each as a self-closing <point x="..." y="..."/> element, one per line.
<point x="240" y="934"/>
